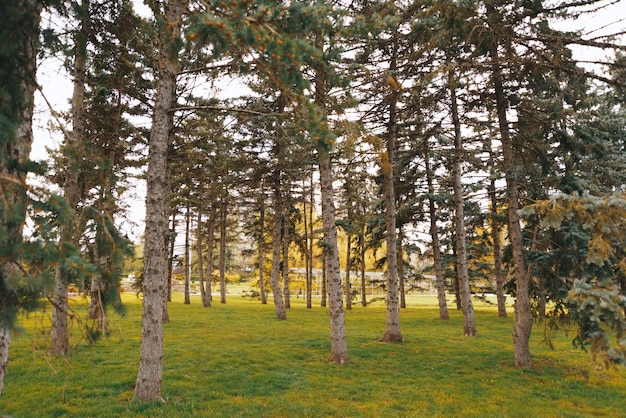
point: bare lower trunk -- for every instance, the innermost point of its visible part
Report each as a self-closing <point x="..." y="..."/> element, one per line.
<point x="187" y="300"/>
<point x="59" y="337"/>
<point x="223" y="252"/>
<point x="276" y="240"/>
<point x="206" y="301"/>
<point x="209" y="256"/>
<point x="401" y="271"/>
<point x="523" y="314"/>
<point x="260" y="249"/>
<point x="150" y="373"/>
<point x="434" y="237"/>
<point x="348" y="290"/>
<point x="363" y="277"/>
<point x="286" y="292"/>
<point x="469" y="321"/>
<point x="5" y="343"/>
<point x="339" y="347"/>
<point x="307" y="256"/>
<point x="497" y="248"/>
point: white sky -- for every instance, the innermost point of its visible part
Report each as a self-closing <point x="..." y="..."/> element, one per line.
<point x="57" y="88"/>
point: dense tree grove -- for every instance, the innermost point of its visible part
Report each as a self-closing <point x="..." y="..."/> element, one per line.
<point x="472" y="136"/>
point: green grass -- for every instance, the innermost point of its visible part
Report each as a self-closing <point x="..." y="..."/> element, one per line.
<point x="237" y="360"/>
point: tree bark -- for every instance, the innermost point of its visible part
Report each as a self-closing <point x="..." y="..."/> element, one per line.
<point x="469" y="321"/>
<point x="150" y="374"/>
<point x="434" y="237"/>
<point x="348" y="290"/>
<point x="59" y="337"/>
<point x="286" y="292"/>
<point x="209" y="256"/>
<point x="522" y="312"/>
<point x="22" y="30"/>
<point x="339" y="347"/>
<point x="223" y="207"/>
<point x="401" y="269"/>
<point x="497" y="245"/>
<point x="276" y="240"/>
<point x="307" y="255"/>
<point x="392" y="326"/>
<point x="187" y="255"/>
<point x="260" y="249"/>
<point x="206" y="301"/>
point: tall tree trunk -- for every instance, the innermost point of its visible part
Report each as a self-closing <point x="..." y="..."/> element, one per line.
<point x="522" y="313"/>
<point x="206" y="301"/>
<point x="260" y="249"/>
<point x="209" y="256"/>
<point x="308" y="277"/>
<point x="348" y="290"/>
<point x="286" y="292"/>
<point x="309" y="296"/>
<point x="150" y="374"/>
<point x="401" y="269"/>
<point x="59" y="337"/>
<point x="20" y="27"/>
<point x="362" y="257"/>
<point x="434" y="237"/>
<point x="187" y="255"/>
<point x="339" y="347"/>
<point x="223" y="251"/>
<point x="392" y="327"/>
<point x="469" y="321"/>
<point x="497" y="245"/>
<point x="279" y="306"/>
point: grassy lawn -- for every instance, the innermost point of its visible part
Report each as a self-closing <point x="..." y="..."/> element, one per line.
<point x="237" y="360"/>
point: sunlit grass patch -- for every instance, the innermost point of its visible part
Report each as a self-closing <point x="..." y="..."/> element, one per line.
<point x="238" y="360"/>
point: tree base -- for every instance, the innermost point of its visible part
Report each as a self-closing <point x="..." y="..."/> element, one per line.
<point x="392" y="337"/>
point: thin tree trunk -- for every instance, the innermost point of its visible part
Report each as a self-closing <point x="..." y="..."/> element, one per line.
<point x="392" y="326"/>
<point x="187" y="255"/>
<point x="59" y="337"/>
<point x="497" y="245"/>
<point x="206" y="301"/>
<point x="209" y="257"/>
<point x="171" y="241"/>
<point x="339" y="347"/>
<point x="401" y="270"/>
<point x="23" y="31"/>
<point x="348" y="290"/>
<point x="307" y="255"/>
<point x="286" y="292"/>
<point x="434" y="237"/>
<point x="223" y="251"/>
<point x="261" y="245"/>
<point x="276" y="240"/>
<point x="469" y="321"/>
<point x="323" y="301"/>
<point x="363" y="277"/>
<point x="150" y="374"/>
<point x="309" y="296"/>
<point x="522" y="313"/>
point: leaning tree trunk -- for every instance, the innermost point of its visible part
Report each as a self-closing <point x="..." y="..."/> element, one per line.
<point x="20" y="28"/>
<point x="59" y="337"/>
<point x="469" y="321"/>
<point x="434" y="240"/>
<point x="150" y="374"/>
<point x="522" y="313"/>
